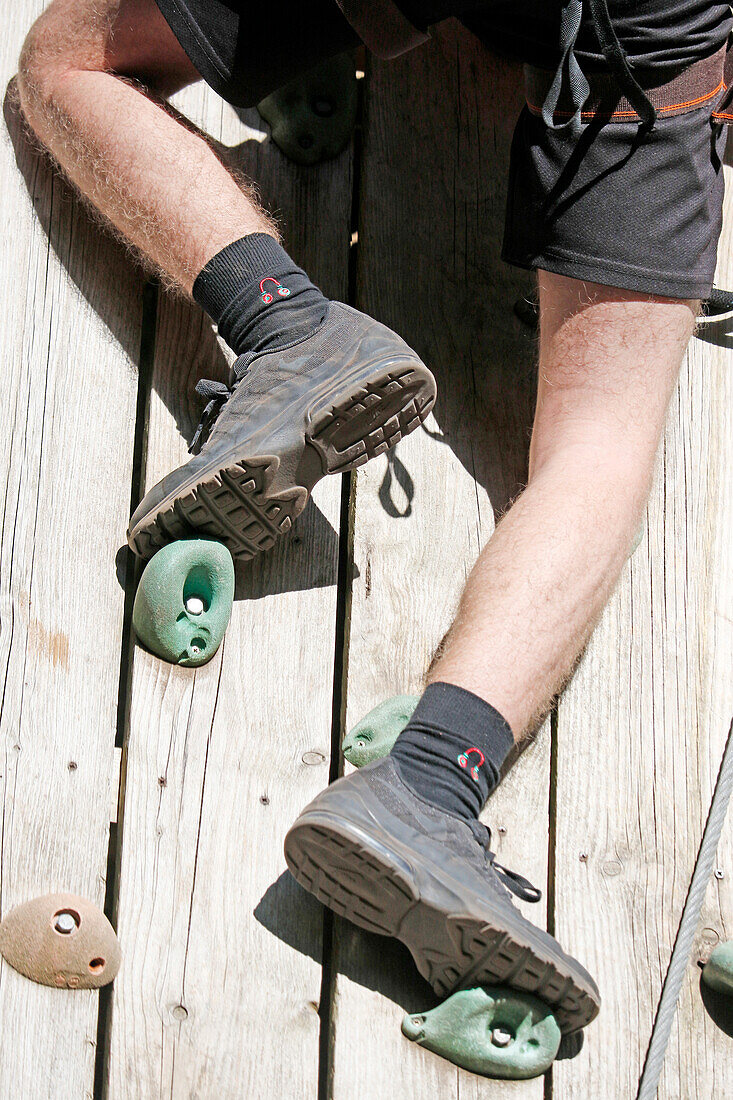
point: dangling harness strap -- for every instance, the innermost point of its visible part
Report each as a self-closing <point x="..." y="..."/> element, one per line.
<point x="618" y="63"/>
<point x="568" y="75"/>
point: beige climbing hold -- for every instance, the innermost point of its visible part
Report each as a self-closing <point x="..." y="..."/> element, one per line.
<point x="61" y="940"/>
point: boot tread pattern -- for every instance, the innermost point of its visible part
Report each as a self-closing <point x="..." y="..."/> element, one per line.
<point x="234" y="506"/>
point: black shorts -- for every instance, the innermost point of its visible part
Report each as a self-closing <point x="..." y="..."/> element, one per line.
<point x="600" y="204"/>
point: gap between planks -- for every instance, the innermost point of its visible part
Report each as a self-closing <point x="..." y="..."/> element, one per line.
<point x="133" y="569"/>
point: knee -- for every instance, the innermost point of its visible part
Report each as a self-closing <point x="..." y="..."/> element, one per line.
<point x="58" y="43"/>
<point x="41" y="62"/>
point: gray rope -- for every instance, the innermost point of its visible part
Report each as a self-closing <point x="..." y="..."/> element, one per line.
<point x="688" y="925"/>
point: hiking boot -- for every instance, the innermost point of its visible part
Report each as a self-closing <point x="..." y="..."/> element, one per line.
<point x="377" y="854"/>
<point x="322" y="405"/>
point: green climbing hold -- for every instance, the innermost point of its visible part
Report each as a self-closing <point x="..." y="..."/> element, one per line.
<point x="313" y="117"/>
<point x="718" y="970"/>
<point x="184" y="601"/>
<point x="374" y="735"/>
<point x="489" y="1030"/>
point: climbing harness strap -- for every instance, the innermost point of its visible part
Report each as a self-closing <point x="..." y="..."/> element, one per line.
<point x="702" y="82"/>
<point x="382" y="27"/>
<point x="566" y="96"/>
<point x="619" y="65"/>
<point x="568" y="72"/>
<point x="723" y="112"/>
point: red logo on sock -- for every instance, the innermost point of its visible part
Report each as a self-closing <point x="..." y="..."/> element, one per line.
<point x="463" y="761"/>
<point x="266" y="296"/>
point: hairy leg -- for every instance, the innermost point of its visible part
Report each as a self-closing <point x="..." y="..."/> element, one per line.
<point x="609" y="360"/>
<point x="89" y="77"/>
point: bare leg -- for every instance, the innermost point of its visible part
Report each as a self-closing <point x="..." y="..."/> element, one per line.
<point x="609" y="360"/>
<point x="161" y="185"/>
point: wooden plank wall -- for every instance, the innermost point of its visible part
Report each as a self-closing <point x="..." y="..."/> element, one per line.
<point x="70" y="334"/>
<point x="653" y="696"/>
<point x="220" y="991"/>
<point x="702" y="1052"/>
<point x="644" y="722"/>
<point x="437" y="128"/>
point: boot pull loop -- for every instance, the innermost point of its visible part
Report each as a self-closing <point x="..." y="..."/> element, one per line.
<point x="518" y="884"/>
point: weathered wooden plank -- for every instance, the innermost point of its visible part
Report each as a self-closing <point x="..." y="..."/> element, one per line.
<point x="644" y="722"/>
<point x="70" y="332"/>
<point x="220" y="993"/>
<point x="437" y="130"/>
<point x="701" y="1055"/>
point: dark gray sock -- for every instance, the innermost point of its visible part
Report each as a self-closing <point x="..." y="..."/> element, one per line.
<point x="452" y="749"/>
<point x="258" y="297"/>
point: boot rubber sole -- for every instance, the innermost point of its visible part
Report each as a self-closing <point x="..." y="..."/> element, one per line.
<point x="244" y="504"/>
<point x="382" y="891"/>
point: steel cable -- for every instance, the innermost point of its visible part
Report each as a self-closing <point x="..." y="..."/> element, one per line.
<point x="688" y="924"/>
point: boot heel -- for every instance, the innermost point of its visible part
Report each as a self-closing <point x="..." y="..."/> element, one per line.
<point x="371" y="418"/>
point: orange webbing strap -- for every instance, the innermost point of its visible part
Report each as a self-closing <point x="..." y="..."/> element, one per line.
<point x="699" y="84"/>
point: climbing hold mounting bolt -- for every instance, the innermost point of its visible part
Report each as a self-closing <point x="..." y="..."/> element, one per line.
<point x="66" y="922"/>
<point x="501" y="1037"/>
<point x="323" y="107"/>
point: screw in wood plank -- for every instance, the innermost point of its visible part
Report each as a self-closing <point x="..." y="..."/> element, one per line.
<point x="719" y="872"/>
<point x="313" y="758"/>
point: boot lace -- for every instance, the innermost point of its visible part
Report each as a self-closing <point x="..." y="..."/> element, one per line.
<point x="517" y="884"/>
<point x="216" y="395"/>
